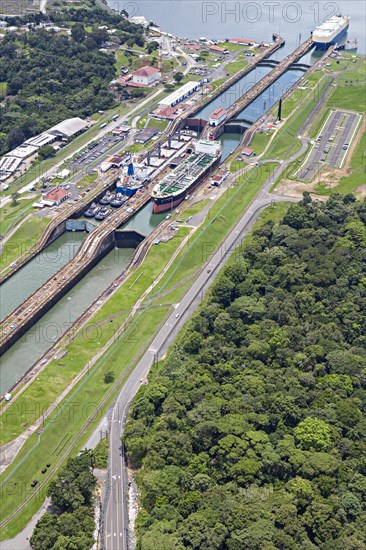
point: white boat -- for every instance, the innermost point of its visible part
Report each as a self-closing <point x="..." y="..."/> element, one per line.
<point x="331" y="32"/>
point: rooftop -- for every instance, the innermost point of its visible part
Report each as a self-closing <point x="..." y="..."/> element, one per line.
<point x="218" y="113"/>
<point x="184" y="90"/>
<point x="56" y="194"/>
<point x="241" y="41"/>
<point x="69" y="127"/>
<point x="146" y="71"/>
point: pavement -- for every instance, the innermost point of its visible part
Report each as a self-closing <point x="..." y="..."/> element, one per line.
<point x="331" y="145"/>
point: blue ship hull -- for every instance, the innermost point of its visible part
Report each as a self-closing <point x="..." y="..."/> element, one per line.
<point x="335" y="40"/>
<point x="129" y="191"/>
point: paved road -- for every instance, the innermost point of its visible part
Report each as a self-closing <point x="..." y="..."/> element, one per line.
<point x="116" y="512"/>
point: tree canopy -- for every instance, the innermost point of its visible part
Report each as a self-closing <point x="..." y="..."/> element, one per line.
<point x="251" y="434"/>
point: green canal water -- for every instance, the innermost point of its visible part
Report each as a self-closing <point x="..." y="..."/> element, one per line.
<point x="24" y="353"/>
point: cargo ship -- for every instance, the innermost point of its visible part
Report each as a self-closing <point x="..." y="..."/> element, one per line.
<point x="128" y="186"/>
<point x="330" y="32"/>
<point x="174" y="188"/>
<point x="132" y="179"/>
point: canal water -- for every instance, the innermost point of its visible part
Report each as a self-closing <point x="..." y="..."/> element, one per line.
<point x="257" y="20"/>
<point x="145" y="220"/>
<point x="26" y="351"/>
<point x="262" y="103"/>
<point x="233" y="93"/>
<point x="36" y="272"/>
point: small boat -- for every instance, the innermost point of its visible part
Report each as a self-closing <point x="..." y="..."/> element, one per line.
<point x="103" y="213"/>
<point x="118" y="200"/>
<point x="106" y="199"/>
<point x="92" y="210"/>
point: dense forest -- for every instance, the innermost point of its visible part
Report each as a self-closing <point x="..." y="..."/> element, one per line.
<point x="52" y="76"/>
<point x="71" y="525"/>
<point x="252" y="434"/>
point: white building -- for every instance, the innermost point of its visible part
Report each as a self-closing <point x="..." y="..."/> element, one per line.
<point x="8" y="166"/>
<point x="41" y="140"/>
<point x="146" y="76"/>
<point x="68" y="128"/>
<point x="217" y="117"/>
<point x="23" y="151"/>
<point x="182" y="93"/>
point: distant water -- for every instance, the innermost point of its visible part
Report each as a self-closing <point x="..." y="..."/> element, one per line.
<point x="249" y="19"/>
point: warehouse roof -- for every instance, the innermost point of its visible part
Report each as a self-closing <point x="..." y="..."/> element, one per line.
<point x="181" y="93"/>
<point x="68" y="127"/>
<point x="23" y="151"/>
<point x="41" y="140"/>
<point x="9" y="164"/>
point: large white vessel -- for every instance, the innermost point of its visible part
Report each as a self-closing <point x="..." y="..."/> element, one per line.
<point x="331" y="32"/>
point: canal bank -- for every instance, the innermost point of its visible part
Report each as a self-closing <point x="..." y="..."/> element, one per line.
<point x="45" y="332"/>
<point x="42" y="336"/>
<point x="38" y="270"/>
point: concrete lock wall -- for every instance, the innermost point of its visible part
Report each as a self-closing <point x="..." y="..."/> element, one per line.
<point x="128" y="239"/>
<point x="79" y="225"/>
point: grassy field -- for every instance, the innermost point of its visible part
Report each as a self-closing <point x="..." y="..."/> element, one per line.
<point x="158" y="124"/>
<point x="10" y="215"/>
<point x="286" y="143"/>
<point x="232" y="47"/>
<point x="54" y="444"/>
<point x="3" y="88"/>
<point x="348" y="97"/>
<point x="235" y="66"/>
<point x="25" y="237"/>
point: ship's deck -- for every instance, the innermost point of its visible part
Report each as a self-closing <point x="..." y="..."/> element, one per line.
<point x="184" y="175"/>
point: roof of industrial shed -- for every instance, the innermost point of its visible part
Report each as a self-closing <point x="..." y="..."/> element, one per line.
<point x="68" y="127"/>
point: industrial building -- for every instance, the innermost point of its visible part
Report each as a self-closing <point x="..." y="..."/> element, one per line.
<point x="68" y="128"/>
<point x="63" y="131"/>
<point x="182" y="93"/>
<point x="145" y="135"/>
<point x="41" y="140"/>
<point x="23" y="151"/>
<point x="9" y="165"/>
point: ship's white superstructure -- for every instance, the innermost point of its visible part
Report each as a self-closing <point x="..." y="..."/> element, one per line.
<point x="331" y="31"/>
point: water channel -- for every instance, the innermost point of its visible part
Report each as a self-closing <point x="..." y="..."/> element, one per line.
<point x="26" y="351"/>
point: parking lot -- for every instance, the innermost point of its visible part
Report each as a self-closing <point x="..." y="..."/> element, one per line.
<point x="331" y="145"/>
<point x="94" y="152"/>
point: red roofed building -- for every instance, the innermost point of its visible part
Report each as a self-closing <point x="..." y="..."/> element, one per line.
<point x="247" y="152"/>
<point x="166" y="113"/>
<point x="146" y="76"/>
<point x="217" y="117"/>
<point x="55" y="196"/>
<point x="217" y="49"/>
<point x="191" y="47"/>
<point x="242" y="41"/>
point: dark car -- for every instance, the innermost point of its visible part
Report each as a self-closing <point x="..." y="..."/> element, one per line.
<point x="34" y="482"/>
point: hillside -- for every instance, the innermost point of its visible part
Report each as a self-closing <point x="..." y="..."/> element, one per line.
<point x="251" y="435"/>
<point x="49" y="75"/>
